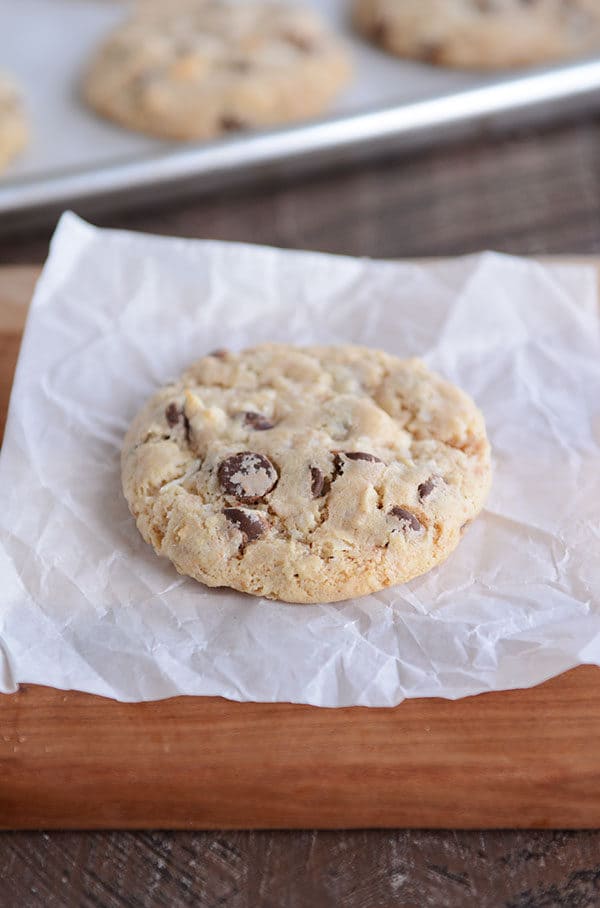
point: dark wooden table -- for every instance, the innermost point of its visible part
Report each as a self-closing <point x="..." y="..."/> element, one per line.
<point x="530" y="193"/>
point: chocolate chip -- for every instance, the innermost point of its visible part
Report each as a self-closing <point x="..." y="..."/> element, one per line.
<point x="247" y="476"/>
<point x="302" y="42"/>
<point x="231" y="123"/>
<point x="172" y="414"/>
<point x="319" y="483"/>
<point x="379" y="31"/>
<point x="431" y="52"/>
<point x="361" y="455"/>
<point x="338" y="463"/>
<point x="407" y="518"/>
<point x="221" y="353"/>
<point x="252" y="524"/>
<point x="240" y="66"/>
<point x="425" y="488"/>
<point x="257" y="421"/>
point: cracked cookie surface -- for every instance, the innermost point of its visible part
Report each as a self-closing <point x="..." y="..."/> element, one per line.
<point x="482" y="33"/>
<point x="306" y="474"/>
<point x="195" y="69"/>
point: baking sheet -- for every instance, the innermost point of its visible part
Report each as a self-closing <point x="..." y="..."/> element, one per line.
<point x="86" y="604"/>
<point x="74" y="155"/>
<point x="46" y="43"/>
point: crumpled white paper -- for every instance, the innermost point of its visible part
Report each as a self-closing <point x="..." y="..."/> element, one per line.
<point x="85" y="604"/>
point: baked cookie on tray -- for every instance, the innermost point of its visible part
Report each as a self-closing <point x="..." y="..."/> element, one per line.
<point x="483" y="34"/>
<point x="306" y="474"/>
<point x="195" y="69"/>
<point x="13" y="124"/>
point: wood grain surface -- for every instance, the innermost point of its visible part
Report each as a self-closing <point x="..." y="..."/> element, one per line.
<point x="349" y="869"/>
<point x="511" y="759"/>
<point x="529" y="193"/>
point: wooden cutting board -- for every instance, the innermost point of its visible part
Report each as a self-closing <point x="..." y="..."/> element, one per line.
<point x="70" y="760"/>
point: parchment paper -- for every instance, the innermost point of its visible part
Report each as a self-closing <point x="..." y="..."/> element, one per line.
<point x="86" y="604"/>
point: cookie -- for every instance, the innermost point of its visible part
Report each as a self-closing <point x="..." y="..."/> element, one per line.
<point x="13" y="126"/>
<point x="306" y="474"/>
<point x="195" y="69"/>
<point x="483" y="34"/>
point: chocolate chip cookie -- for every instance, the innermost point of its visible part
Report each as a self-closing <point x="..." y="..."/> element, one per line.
<point x="483" y="34"/>
<point x="306" y="474"/>
<point x="194" y="69"/>
<point x="13" y="126"/>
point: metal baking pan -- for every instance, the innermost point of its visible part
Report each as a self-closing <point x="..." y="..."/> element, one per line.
<point x="77" y="159"/>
